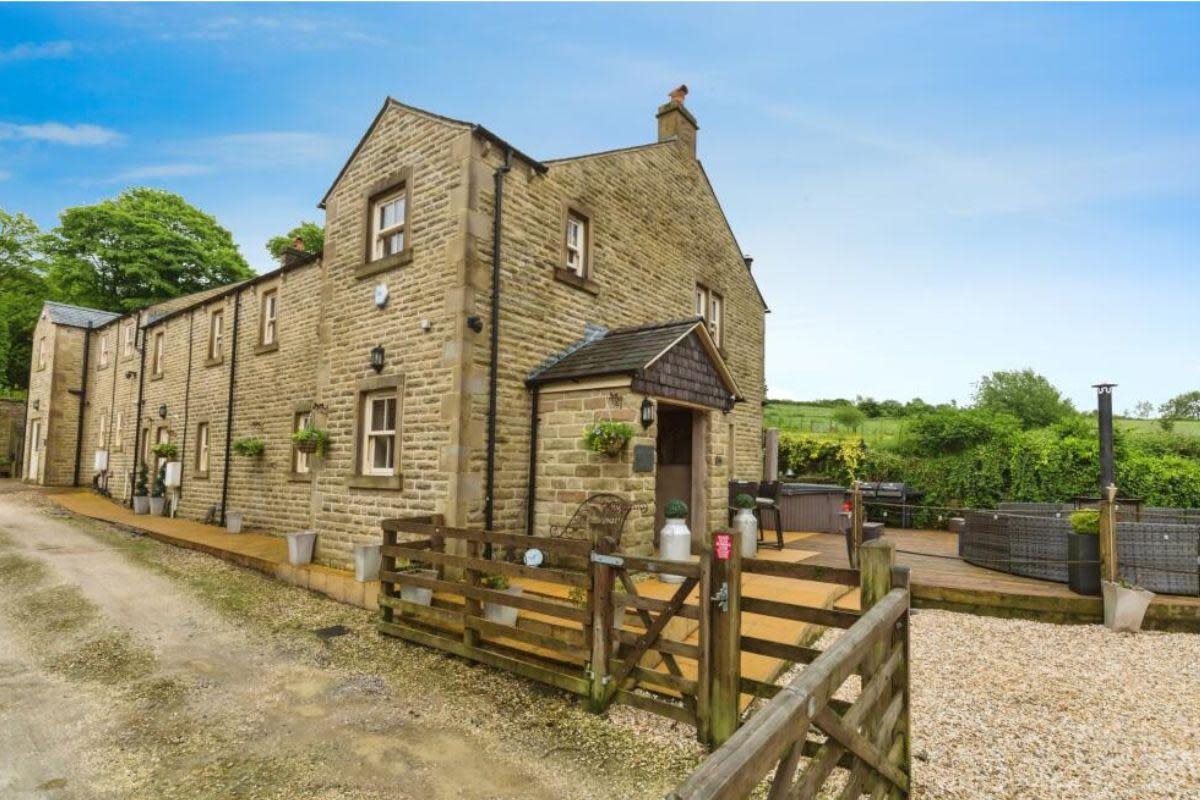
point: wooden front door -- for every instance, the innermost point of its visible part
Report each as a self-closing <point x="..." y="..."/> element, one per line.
<point x="673" y="480"/>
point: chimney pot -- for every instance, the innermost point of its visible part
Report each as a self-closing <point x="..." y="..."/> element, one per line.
<point x="749" y="259"/>
<point x="678" y="93"/>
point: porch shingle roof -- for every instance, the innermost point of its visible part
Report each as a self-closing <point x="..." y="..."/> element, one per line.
<point x="621" y="352"/>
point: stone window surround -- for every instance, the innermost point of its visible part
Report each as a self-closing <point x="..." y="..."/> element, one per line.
<point x="198" y="473"/>
<point x="104" y="357"/>
<point x="561" y="273"/>
<point x="300" y="407"/>
<point x="364" y="388"/>
<point x="118" y="443"/>
<point x="41" y="353"/>
<point x="385" y="186"/>
<point x="128" y="340"/>
<point x="711" y="288"/>
<point x="156" y="365"/>
<point x="261" y="292"/>
<point x="211" y="360"/>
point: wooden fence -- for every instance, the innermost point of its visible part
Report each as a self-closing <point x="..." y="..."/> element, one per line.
<point x="598" y="631"/>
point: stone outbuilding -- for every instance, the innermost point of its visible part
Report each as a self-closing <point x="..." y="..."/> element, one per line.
<point x="474" y="309"/>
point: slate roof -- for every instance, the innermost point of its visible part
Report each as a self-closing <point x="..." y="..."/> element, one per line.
<point x="78" y="316"/>
<point x="627" y="351"/>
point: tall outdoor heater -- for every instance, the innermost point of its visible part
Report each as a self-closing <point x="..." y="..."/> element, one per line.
<point x="1104" y="403"/>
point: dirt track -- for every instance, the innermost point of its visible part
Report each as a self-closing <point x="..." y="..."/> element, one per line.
<point x="133" y="669"/>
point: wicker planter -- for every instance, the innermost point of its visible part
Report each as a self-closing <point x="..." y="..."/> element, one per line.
<point x="308" y="446"/>
<point x="615" y="447"/>
<point x="1083" y="578"/>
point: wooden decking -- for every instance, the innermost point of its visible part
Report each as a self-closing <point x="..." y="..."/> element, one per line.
<point x="942" y="580"/>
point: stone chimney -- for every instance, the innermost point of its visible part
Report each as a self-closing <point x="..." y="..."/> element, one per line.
<point x="294" y="253"/>
<point x="676" y="121"/>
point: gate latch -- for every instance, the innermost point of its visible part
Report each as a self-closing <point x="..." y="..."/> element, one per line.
<point x="722" y="596"/>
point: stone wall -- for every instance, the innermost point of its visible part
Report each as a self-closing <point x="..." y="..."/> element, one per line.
<point x="12" y="435"/>
<point x="57" y="409"/>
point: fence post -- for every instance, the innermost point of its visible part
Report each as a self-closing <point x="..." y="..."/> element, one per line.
<point x="602" y="618"/>
<point x="471" y="606"/>
<point x="704" y="671"/>
<point x="387" y="564"/>
<point x="726" y="610"/>
<point x="902" y="682"/>
<point x="856" y="526"/>
<point x="1108" y="533"/>
<point x="876" y="559"/>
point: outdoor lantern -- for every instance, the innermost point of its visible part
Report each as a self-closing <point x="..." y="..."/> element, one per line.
<point x="377" y="358"/>
<point x="647" y="413"/>
<point x="162" y="411"/>
<point x="729" y="403"/>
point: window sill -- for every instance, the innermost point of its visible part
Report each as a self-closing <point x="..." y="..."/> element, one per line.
<point x="214" y="362"/>
<point x="571" y="279"/>
<point x="156" y="376"/>
<point x="300" y="477"/>
<point x="199" y="476"/>
<point x="259" y="349"/>
<point x="379" y="265"/>
<point x="394" y="482"/>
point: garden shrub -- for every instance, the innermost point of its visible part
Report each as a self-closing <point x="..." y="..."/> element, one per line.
<point x="954" y="430"/>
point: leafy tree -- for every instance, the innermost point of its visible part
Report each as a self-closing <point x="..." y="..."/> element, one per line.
<point x="312" y="234"/>
<point x="849" y="417"/>
<point x="22" y="290"/>
<point x="141" y="247"/>
<point x="1182" y="406"/>
<point x="1143" y="410"/>
<point x="917" y="406"/>
<point x="869" y="406"/>
<point x="953" y="430"/>
<point x="891" y="408"/>
<point x="1023" y="394"/>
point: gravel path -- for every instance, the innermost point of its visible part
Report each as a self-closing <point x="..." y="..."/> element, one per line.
<point x="1015" y="709"/>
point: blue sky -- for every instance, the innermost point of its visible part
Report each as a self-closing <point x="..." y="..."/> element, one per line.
<point x="929" y="192"/>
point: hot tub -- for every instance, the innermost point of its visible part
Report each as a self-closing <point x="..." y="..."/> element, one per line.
<point x="812" y="507"/>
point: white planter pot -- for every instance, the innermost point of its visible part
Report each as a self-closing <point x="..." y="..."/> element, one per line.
<point x="367" y="558"/>
<point x="747" y="524"/>
<point x="141" y="504"/>
<point x="418" y="595"/>
<point x="233" y="521"/>
<point x="674" y="544"/>
<point x="156" y="505"/>
<point x="300" y="547"/>
<point x="1124" y="608"/>
<point x="100" y="463"/>
<point x="173" y="475"/>
<point x="502" y="614"/>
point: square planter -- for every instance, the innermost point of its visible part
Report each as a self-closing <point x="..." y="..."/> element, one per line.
<point x="502" y="614"/>
<point x="367" y="559"/>
<point x="1125" y="608"/>
<point x="418" y="595"/>
<point x="300" y="547"/>
<point x="141" y="504"/>
<point x="156" y="505"/>
<point x="233" y="521"/>
<point x="1083" y="578"/>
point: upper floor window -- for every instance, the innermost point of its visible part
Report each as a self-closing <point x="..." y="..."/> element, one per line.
<point x="379" y="434"/>
<point x="41" y="353"/>
<point x="104" y="351"/>
<point x="202" y="451"/>
<point x="102" y="432"/>
<point x="270" y="310"/>
<point x="118" y="429"/>
<point x="300" y="464"/>
<point x="577" y="244"/>
<point x="710" y="306"/>
<point x="216" y="334"/>
<point x="128" y="339"/>
<point x="389" y="223"/>
<point x="158" y="353"/>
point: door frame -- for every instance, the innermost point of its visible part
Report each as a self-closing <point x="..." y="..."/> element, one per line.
<point x="698" y="491"/>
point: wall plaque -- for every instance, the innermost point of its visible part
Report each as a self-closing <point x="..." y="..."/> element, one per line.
<point x="643" y="458"/>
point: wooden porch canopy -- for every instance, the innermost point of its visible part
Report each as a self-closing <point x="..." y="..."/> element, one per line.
<point x="671" y="360"/>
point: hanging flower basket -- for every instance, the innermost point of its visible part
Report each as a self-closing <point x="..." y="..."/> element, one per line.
<point x="311" y="439"/>
<point x="307" y="446"/>
<point x="608" y="438"/>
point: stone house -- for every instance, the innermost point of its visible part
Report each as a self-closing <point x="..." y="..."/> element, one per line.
<point x="446" y="386"/>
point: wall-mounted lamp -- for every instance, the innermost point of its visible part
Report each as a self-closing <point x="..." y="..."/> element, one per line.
<point x="130" y="374"/>
<point x="37" y="402"/>
<point x="475" y="323"/>
<point x="377" y="358"/>
<point x="647" y="413"/>
<point x="162" y="411"/>
<point x="729" y="401"/>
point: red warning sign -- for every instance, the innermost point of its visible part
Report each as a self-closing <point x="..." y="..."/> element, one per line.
<point x="723" y="546"/>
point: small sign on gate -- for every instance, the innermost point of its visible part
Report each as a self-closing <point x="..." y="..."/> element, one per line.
<point x="723" y="546"/>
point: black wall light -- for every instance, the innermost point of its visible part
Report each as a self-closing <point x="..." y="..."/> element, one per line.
<point x="377" y="358"/>
<point x="647" y="413"/>
<point x="729" y="401"/>
<point x="475" y="323"/>
<point x="162" y="411"/>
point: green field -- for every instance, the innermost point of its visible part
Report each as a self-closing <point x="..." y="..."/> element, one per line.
<point x="884" y="431"/>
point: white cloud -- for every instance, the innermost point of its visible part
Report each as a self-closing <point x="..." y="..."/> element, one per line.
<point x="265" y="149"/>
<point x="152" y="171"/>
<point x="59" y="133"/>
<point x="27" y="51"/>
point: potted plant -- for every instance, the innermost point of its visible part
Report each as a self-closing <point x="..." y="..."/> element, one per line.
<point x="157" y="491"/>
<point x="311" y="439"/>
<point x="675" y="539"/>
<point x="1083" y="552"/>
<point x="498" y="612"/>
<point x="745" y="522"/>
<point x="141" y="491"/>
<point x="1125" y="605"/>
<point x="174" y="469"/>
<point x="418" y="595"/>
<point x="608" y="438"/>
<point x="249" y="446"/>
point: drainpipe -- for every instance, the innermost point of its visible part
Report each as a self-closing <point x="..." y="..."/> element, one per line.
<point x="87" y="346"/>
<point x="531" y="504"/>
<point x="493" y="376"/>
<point x="137" y="417"/>
<point x="237" y="308"/>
